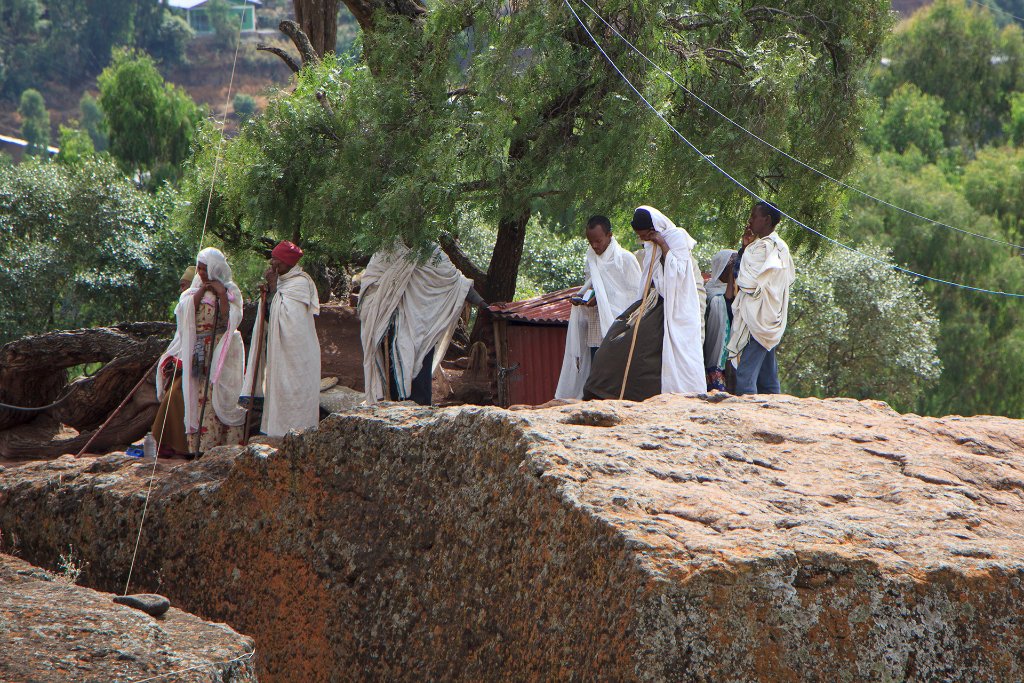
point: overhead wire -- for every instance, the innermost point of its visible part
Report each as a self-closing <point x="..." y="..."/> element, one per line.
<point x="756" y="196"/>
<point x="996" y="8"/>
<point x="202" y="238"/>
<point x="786" y="154"/>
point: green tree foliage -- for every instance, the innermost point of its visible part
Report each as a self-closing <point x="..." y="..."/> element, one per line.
<point x="244" y="105"/>
<point x="913" y="118"/>
<point x="19" y="48"/>
<point x="993" y="184"/>
<point x="169" y="43"/>
<point x="35" y="122"/>
<point x="150" y="122"/>
<point x="75" y="146"/>
<point x="93" y="122"/>
<point x="472" y="111"/>
<point x="82" y="246"/>
<point x="859" y="329"/>
<point x="67" y="40"/>
<point x="980" y="334"/>
<point x="225" y="22"/>
<point x="958" y="54"/>
<point x="1013" y="128"/>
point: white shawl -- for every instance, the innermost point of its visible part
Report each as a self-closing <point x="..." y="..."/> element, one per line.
<point x="423" y="300"/>
<point x="615" y="278"/>
<point x="289" y="370"/>
<point x="717" y="316"/>
<point x="228" y="368"/>
<point x="682" y="360"/>
<point x="761" y="306"/>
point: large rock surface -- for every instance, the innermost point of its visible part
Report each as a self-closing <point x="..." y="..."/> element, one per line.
<point x="678" y="539"/>
<point x="53" y="630"/>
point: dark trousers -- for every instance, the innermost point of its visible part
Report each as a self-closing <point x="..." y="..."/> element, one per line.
<point x="422" y="384"/>
<point x="758" y="372"/>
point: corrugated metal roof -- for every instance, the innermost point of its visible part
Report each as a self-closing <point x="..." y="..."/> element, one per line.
<point x="553" y="307"/>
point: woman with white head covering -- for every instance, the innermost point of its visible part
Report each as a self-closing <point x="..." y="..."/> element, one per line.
<point x="668" y="356"/>
<point x="670" y="249"/>
<point x="212" y="360"/>
<point x="717" y="319"/>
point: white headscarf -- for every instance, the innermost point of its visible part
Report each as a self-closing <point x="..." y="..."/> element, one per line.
<point x="682" y="358"/>
<point x="719" y="261"/>
<point x="228" y="357"/>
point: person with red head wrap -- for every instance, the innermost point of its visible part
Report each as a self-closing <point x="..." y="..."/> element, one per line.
<point x="288" y="374"/>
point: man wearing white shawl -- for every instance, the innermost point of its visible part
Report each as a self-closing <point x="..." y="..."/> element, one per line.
<point x="682" y="360"/>
<point x="288" y="376"/>
<point x="760" y="309"/>
<point x="717" y="320"/>
<point x="613" y="282"/>
<point x="407" y="312"/>
<point x="210" y="357"/>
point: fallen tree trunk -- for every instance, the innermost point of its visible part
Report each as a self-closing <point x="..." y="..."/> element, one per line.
<point x="33" y="373"/>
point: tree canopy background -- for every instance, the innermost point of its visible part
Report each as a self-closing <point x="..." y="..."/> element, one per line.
<point x="497" y="128"/>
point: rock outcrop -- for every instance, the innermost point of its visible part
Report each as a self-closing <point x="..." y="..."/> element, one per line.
<point x="678" y="539"/>
<point x="53" y="630"/>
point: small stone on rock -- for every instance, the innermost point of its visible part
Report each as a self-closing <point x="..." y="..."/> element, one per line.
<point x="150" y="603"/>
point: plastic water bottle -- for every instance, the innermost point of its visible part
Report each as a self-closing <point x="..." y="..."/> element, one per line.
<point x="149" y="447"/>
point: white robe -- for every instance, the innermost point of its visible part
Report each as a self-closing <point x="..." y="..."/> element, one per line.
<point x="228" y="369"/>
<point x="717" y="316"/>
<point x="615" y="278"/>
<point x="761" y="307"/>
<point x="288" y="376"/>
<point x="423" y="300"/>
<point x="682" y="357"/>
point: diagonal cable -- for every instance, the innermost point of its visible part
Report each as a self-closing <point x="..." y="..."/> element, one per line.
<point x="753" y="194"/>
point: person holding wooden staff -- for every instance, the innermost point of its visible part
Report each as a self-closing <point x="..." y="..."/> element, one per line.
<point x="655" y="345"/>
<point x="212" y="357"/>
<point x="286" y="372"/>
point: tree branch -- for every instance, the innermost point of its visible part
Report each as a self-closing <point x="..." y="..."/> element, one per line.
<point x="301" y="42"/>
<point x="462" y="261"/>
<point x="321" y="97"/>
<point x="282" y="54"/>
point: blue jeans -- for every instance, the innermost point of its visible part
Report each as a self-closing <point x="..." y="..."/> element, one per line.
<point x="758" y="373"/>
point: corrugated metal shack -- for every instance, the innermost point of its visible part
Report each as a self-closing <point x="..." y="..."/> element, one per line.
<point x="529" y="340"/>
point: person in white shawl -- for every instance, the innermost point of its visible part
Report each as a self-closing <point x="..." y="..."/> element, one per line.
<point x="212" y="360"/>
<point x="408" y="310"/>
<point x="717" y="319"/>
<point x="761" y="307"/>
<point x="612" y="284"/>
<point x="288" y="376"/>
<point x="682" y="359"/>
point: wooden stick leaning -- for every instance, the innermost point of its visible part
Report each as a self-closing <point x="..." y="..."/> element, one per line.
<point x="117" y="410"/>
<point x="260" y="331"/>
<point x="209" y="370"/>
<point x="387" y="364"/>
<point x="636" y="327"/>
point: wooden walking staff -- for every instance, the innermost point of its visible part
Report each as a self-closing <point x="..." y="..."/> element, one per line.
<point x="260" y="331"/>
<point x="117" y="410"/>
<point x="209" y="370"/>
<point x="636" y="328"/>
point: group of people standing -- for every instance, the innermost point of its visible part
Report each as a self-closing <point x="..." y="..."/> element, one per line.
<point x="204" y="384"/>
<point x="647" y="324"/>
<point x="642" y="324"/>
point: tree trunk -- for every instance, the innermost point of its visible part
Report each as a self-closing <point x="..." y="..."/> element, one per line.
<point x="33" y="372"/>
<point x="319" y="21"/>
<point x="508" y="252"/>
